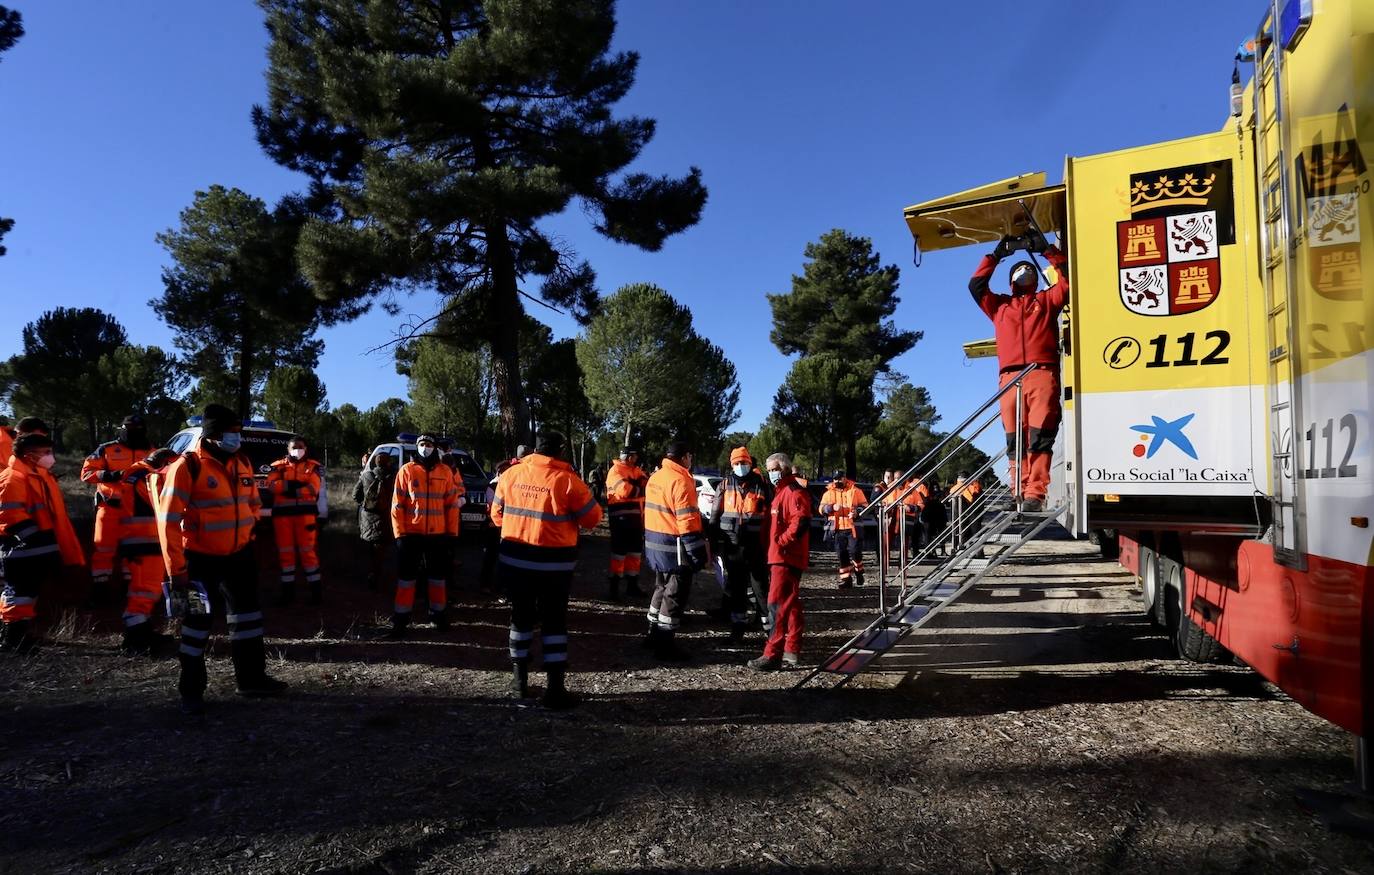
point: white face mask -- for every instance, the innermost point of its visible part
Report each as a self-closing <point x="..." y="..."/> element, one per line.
<point x="296" y="453"/>
<point x="425" y="452"/>
<point x="47" y="461"/>
<point x="774" y="477"/>
<point x="741" y="470"/>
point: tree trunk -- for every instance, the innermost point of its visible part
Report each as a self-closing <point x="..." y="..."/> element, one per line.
<point x="851" y="457"/>
<point x="245" y="399"/>
<point x="505" y="337"/>
<point x="94" y="430"/>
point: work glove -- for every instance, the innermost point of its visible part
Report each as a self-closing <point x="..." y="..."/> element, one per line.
<point x="1036" y="241"/>
<point x="174" y="592"/>
<point x="110" y="476"/>
<point x="1004" y="247"/>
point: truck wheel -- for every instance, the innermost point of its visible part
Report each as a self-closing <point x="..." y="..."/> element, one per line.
<point x="1151" y="593"/>
<point x="1191" y="642"/>
<point x="1105" y="540"/>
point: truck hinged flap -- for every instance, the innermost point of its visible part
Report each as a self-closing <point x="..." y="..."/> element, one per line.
<point x="986" y="213"/>
<point x="981" y="349"/>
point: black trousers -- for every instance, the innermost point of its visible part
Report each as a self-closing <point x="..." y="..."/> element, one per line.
<point x="538" y="598"/>
<point x="672" y="590"/>
<point x="230" y="583"/>
<point x="746" y="579"/>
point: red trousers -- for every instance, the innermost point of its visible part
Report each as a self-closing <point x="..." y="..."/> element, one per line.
<point x="296" y="534"/>
<point x="784" y="607"/>
<point x="1039" y="425"/>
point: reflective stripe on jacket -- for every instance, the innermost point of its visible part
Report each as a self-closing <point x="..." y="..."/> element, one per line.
<point x="625" y="489"/>
<point x="307" y="475"/>
<point x="112" y="456"/>
<point x="33" y="514"/>
<point x="1027" y="325"/>
<point x="425" y="501"/>
<point x="138" y="511"/>
<point x="740" y="505"/>
<point x="672" y="520"/>
<point x="840" y="504"/>
<point x="206" y="507"/>
<point x="539" y="505"/>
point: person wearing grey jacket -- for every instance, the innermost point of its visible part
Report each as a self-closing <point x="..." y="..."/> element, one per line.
<point x="372" y="494"/>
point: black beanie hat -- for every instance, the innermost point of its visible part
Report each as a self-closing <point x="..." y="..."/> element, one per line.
<point x="550" y="443"/>
<point x="678" y="449"/>
<point x="217" y="419"/>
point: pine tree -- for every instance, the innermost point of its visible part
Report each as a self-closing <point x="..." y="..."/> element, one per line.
<point x="444" y="131"/>
<point x="11" y="29"/>
<point x="838" y="317"/>
<point x="235" y="296"/>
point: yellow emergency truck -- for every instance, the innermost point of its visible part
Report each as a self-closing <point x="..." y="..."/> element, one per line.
<point x="1215" y="357"/>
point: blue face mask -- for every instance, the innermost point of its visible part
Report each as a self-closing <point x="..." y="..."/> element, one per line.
<point x="230" y="441"/>
<point x="741" y="470"/>
<point x="774" y="477"/>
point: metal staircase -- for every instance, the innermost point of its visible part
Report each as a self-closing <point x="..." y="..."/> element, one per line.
<point x="983" y="533"/>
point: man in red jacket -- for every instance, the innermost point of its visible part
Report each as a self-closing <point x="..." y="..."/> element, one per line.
<point x="1026" y="325"/>
<point x="787" y="535"/>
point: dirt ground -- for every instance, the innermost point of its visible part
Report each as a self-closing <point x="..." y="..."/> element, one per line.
<point x="1037" y="726"/>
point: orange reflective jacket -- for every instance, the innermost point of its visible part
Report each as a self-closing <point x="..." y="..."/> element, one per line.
<point x="206" y="507"/>
<point x="425" y="501"/>
<point x="542" y="503"/>
<point x="740" y="505"/>
<point x="840" y="503"/>
<point x="968" y="490"/>
<point x="6" y="445"/>
<point x="114" y="458"/>
<point x="33" y="513"/>
<point x="295" y="487"/>
<point x="625" y="489"/>
<point x="672" y="519"/>
<point x="138" y="511"/>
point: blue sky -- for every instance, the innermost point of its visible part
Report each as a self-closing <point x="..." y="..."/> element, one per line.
<point x="804" y="116"/>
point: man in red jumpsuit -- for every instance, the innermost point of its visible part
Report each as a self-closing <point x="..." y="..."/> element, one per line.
<point x="1026" y="324"/>
<point x="787" y="536"/>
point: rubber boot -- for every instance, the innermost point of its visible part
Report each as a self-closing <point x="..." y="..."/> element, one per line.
<point x="613" y="587"/>
<point x="15" y="637"/>
<point x="287" y="594"/>
<point x="666" y="649"/>
<point x="191" y="684"/>
<point x="520" y="678"/>
<point x="250" y="668"/>
<point x="316" y="592"/>
<point x="737" y="631"/>
<point x="632" y="585"/>
<point x="399" y="622"/>
<point x="556" y="697"/>
<point x="138" y="640"/>
<point x="440" y="619"/>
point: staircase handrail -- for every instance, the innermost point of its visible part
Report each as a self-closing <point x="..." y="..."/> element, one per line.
<point x="910" y="472"/>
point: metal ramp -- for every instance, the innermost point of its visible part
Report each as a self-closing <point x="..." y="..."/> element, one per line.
<point x="985" y="530"/>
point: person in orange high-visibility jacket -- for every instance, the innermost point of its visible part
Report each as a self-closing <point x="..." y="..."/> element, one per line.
<point x="625" y="482"/>
<point x="539" y="505"/>
<point x="206" y="514"/>
<point x="424" y="517"/>
<point x="295" y="482"/>
<point x="841" y="501"/>
<point x="1026" y="324"/>
<point x="140" y="549"/>
<point x="104" y="469"/>
<point x="675" y="544"/>
<point x="6" y="442"/>
<point x="915" y="505"/>
<point x="737" y="515"/>
<point x="36" y="538"/>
